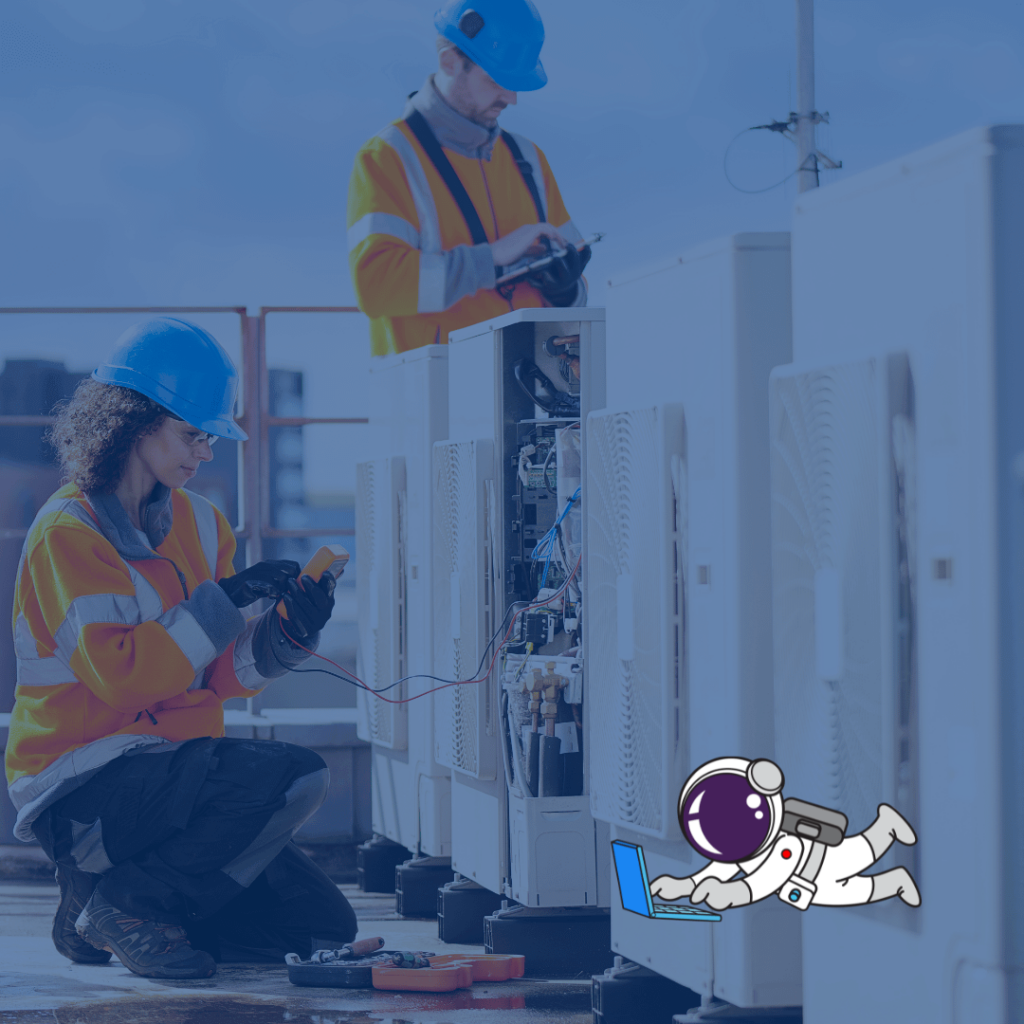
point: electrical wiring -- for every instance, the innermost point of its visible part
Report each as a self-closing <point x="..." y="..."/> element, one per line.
<point x="547" y="542"/>
<point x="351" y="677"/>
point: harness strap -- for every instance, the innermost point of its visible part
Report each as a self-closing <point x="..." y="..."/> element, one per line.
<point x="808" y="872"/>
<point x="526" y="170"/>
<point x="428" y="140"/>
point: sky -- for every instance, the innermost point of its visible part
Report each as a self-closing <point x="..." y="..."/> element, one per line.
<point x="197" y="152"/>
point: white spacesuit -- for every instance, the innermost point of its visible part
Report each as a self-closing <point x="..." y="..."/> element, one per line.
<point x="732" y="811"/>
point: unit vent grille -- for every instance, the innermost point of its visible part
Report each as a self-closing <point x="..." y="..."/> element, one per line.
<point x="836" y="556"/>
<point x="463" y="733"/>
<point x="380" y="567"/>
<point x="636" y="576"/>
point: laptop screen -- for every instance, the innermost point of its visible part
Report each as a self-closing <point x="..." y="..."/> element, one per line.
<point x="632" y="872"/>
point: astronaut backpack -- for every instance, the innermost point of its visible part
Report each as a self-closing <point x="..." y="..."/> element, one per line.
<point x="809" y="821"/>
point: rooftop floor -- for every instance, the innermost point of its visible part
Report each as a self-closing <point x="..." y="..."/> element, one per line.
<point x="37" y="984"/>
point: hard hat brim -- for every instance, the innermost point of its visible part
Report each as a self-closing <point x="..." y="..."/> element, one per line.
<point x="127" y="377"/>
<point x="528" y="81"/>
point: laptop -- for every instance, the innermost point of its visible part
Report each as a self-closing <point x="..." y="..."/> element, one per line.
<point x="635" y="888"/>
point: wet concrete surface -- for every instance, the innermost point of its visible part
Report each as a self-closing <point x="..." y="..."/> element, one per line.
<point x="37" y="984"/>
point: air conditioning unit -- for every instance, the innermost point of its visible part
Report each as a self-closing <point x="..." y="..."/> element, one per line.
<point x="381" y="590"/>
<point x="923" y="256"/>
<point x="682" y="520"/>
<point x="637" y="563"/>
<point x="411" y="789"/>
<point x="526" y="381"/>
<point x="844" y="525"/>
<point x="465" y="733"/>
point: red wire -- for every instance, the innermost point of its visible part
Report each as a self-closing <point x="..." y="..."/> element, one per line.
<point x="460" y="682"/>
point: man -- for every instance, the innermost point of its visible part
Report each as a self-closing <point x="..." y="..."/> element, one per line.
<point x="442" y="200"/>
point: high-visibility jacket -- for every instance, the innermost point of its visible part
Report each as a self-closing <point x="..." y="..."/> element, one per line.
<point x="416" y="272"/>
<point x="121" y="644"/>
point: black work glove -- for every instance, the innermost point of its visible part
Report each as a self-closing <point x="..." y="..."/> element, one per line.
<point x="309" y="606"/>
<point x="264" y="579"/>
<point x="557" y="281"/>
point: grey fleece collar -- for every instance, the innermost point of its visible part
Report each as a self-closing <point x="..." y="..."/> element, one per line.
<point x="453" y="131"/>
<point x="117" y="527"/>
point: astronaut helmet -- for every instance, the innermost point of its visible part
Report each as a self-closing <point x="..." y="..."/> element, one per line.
<point x="730" y="809"/>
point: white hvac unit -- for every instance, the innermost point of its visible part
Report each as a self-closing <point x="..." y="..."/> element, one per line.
<point x="411" y="790"/>
<point x="636" y="558"/>
<point x="381" y="586"/>
<point x="686" y="517"/>
<point x="844" y="589"/>
<point x="465" y="733"/>
<point x="898" y="526"/>
<point x="510" y="381"/>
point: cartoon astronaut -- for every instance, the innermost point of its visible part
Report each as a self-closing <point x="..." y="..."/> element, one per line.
<point x="732" y="811"/>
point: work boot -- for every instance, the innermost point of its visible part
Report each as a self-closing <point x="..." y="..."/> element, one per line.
<point x="75" y="889"/>
<point x="146" y="947"/>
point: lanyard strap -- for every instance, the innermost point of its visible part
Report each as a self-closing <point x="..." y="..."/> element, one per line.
<point x="526" y="170"/>
<point x="428" y="140"/>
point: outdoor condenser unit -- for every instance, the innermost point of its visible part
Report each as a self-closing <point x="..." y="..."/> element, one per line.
<point x="899" y="521"/>
<point x="501" y="479"/>
<point x="411" y="789"/>
<point x="679" y="586"/>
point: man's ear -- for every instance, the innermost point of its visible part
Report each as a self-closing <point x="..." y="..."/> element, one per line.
<point x="449" y="62"/>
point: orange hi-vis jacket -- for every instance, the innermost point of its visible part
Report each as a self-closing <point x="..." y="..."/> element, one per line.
<point x="416" y="271"/>
<point x="121" y="644"/>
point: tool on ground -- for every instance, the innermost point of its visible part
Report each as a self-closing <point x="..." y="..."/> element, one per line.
<point x="331" y="558"/>
<point x="343" y="971"/>
<point x="521" y="269"/>
<point x="349" y="951"/>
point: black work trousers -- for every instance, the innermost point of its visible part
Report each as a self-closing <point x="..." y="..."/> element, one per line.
<point x="198" y="834"/>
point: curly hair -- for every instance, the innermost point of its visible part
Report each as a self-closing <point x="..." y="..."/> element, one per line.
<point x="95" y="432"/>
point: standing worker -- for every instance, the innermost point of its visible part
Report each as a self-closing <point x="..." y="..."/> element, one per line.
<point x="442" y="200"/>
<point x="172" y="843"/>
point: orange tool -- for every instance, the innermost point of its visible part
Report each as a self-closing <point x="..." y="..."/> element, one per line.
<point x="330" y="558"/>
<point x="433" y="979"/>
<point x="485" y="966"/>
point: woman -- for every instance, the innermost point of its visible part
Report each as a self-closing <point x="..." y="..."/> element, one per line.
<point x="171" y="842"/>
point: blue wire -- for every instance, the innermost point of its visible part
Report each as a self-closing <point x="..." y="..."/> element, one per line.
<point x="548" y="540"/>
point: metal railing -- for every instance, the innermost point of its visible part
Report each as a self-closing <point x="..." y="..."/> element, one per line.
<point x="254" y="505"/>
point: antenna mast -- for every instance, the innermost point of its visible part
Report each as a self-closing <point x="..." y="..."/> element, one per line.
<point x="806" y="116"/>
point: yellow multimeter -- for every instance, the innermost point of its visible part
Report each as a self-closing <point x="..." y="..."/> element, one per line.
<point x="331" y="558"/>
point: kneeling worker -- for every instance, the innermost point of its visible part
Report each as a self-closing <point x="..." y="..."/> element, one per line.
<point x="441" y="201"/>
<point x="172" y="843"/>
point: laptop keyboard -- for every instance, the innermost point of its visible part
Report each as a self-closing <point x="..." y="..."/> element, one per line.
<point x="668" y="908"/>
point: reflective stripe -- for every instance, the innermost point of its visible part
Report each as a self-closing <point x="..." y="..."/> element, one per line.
<point x="185" y="631"/>
<point x="529" y="151"/>
<point x="244" y="662"/>
<point x="206" y="524"/>
<point x="419" y="187"/>
<point x="117" y="609"/>
<point x="151" y="606"/>
<point x="570" y="232"/>
<point x="383" y="224"/>
<point x="32" y="669"/>
<point x="433" y="273"/>
<point x="73" y="507"/>
<point x="44" y="672"/>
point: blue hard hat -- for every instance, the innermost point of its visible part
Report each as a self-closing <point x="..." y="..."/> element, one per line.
<point x="182" y="367"/>
<point x="503" y="36"/>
